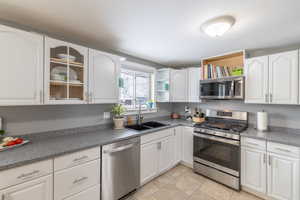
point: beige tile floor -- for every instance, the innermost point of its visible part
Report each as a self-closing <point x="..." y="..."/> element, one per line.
<point x="181" y="183"/>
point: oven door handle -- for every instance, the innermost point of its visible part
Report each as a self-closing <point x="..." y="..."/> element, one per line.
<point x="218" y="139"/>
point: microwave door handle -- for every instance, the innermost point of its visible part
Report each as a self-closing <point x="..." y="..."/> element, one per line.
<point x="232" y="89"/>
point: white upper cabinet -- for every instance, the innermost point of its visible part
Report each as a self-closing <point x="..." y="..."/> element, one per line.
<point x="194" y="84"/>
<point x="273" y="79"/>
<point x="21" y="70"/>
<point x="65" y="78"/>
<point x="283" y="84"/>
<point x="256" y="77"/>
<point x="283" y="177"/>
<point x="179" y="86"/>
<point x="104" y="72"/>
<point x="162" y="85"/>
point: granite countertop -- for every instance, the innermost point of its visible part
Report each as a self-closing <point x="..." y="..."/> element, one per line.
<point x="275" y="134"/>
<point x="55" y="143"/>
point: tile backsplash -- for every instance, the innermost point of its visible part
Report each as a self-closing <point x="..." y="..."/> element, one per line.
<point x="19" y="120"/>
<point x="279" y="115"/>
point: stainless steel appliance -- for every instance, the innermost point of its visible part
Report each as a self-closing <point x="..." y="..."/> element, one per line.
<point x="120" y="169"/>
<point x="223" y="88"/>
<point x="217" y="146"/>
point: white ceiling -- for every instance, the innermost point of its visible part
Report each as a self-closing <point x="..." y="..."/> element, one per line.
<point x="163" y="31"/>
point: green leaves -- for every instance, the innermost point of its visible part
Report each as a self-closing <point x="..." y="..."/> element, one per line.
<point x="118" y="110"/>
<point x="2" y="132"/>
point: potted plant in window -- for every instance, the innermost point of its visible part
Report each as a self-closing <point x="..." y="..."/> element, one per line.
<point x="118" y="111"/>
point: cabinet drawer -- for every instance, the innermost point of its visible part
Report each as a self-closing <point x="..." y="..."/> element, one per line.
<point x="283" y="149"/>
<point x="89" y="194"/>
<point x="76" y="179"/>
<point x="76" y="158"/>
<point x="156" y="135"/>
<point x="254" y="143"/>
<point x="25" y="173"/>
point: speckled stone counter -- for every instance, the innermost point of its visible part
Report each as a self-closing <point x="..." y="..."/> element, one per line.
<point x="275" y="134"/>
<point x="55" y="143"/>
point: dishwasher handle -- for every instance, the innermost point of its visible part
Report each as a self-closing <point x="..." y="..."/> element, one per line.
<point x="118" y="149"/>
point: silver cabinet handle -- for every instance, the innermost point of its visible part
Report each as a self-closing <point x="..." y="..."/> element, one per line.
<point x="266" y="98"/>
<point x="270" y="160"/>
<point x="285" y="150"/>
<point x="80" y="158"/>
<point x="271" y="98"/>
<point x="265" y="158"/>
<point x="251" y="143"/>
<point x="123" y="148"/>
<point x="79" y="180"/>
<point x="91" y="96"/>
<point x="159" y="145"/>
<point x="41" y="96"/>
<point x="28" y="175"/>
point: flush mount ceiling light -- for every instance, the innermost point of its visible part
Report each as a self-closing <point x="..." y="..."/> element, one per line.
<point x="218" y="26"/>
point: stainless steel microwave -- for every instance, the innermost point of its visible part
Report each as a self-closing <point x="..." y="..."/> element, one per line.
<point x="224" y="88"/>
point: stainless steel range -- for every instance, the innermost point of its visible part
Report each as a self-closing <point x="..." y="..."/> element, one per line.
<point x="217" y="146"/>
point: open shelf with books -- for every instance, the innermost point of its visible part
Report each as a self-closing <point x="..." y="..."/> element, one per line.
<point x="219" y="67"/>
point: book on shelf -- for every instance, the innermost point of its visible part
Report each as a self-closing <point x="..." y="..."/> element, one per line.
<point x="213" y="72"/>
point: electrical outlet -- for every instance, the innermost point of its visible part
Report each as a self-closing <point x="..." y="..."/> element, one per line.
<point x="106" y="115"/>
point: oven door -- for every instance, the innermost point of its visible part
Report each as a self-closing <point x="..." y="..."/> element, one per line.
<point x="220" y="153"/>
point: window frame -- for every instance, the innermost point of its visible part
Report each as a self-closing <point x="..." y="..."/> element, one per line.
<point x="139" y="73"/>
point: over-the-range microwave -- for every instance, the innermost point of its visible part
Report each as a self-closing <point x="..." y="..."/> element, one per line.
<point x="223" y="88"/>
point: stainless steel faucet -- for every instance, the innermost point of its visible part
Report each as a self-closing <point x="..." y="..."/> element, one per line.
<point x="139" y="117"/>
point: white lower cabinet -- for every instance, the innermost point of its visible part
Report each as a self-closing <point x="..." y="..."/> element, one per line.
<point x="149" y="161"/>
<point x="166" y="152"/>
<point x="254" y="169"/>
<point x="38" y="189"/>
<point x="157" y="155"/>
<point x="178" y="144"/>
<point x="89" y="194"/>
<point x="187" y="145"/>
<point x="283" y="177"/>
<point x="273" y="172"/>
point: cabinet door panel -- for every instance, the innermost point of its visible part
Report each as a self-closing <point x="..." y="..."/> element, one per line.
<point x="194" y="84"/>
<point x="39" y="189"/>
<point x="65" y="77"/>
<point x="89" y="194"/>
<point x="103" y="73"/>
<point x="256" y="77"/>
<point x="178" y="144"/>
<point x="21" y="56"/>
<point x="284" y="78"/>
<point x="283" y="177"/>
<point x="166" y="154"/>
<point x="179" y="85"/>
<point x="149" y="161"/>
<point x="254" y="169"/>
<point x="188" y="143"/>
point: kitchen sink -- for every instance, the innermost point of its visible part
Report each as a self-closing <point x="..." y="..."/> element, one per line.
<point x="154" y="124"/>
<point x="146" y="126"/>
<point x="138" y="127"/>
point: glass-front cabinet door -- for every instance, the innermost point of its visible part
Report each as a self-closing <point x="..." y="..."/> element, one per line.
<point x="65" y="72"/>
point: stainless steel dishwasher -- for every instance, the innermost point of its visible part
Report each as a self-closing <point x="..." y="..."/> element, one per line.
<point x="120" y="168"/>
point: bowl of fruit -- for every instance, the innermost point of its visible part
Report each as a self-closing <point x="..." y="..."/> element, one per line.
<point x="11" y="142"/>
